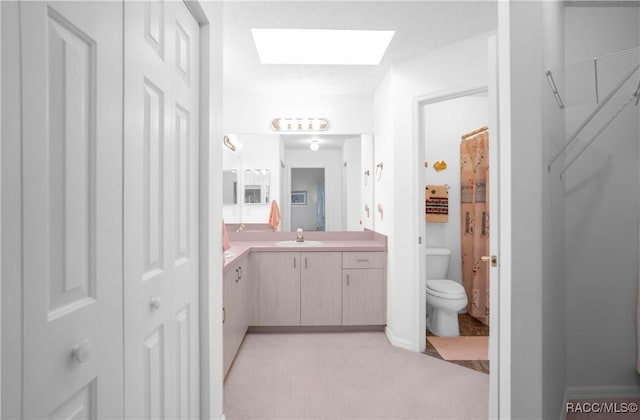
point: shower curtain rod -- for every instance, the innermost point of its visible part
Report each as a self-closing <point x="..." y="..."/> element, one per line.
<point x="474" y="132"/>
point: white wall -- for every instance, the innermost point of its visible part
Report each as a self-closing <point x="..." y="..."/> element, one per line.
<point x="309" y="180"/>
<point x="366" y="164"/>
<point x="398" y="193"/>
<point x="352" y="180"/>
<point x="331" y="161"/>
<point x="253" y="113"/>
<point x="601" y="191"/>
<point x="445" y="122"/>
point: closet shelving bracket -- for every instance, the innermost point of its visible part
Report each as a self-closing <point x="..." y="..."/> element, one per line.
<point x="584" y="82"/>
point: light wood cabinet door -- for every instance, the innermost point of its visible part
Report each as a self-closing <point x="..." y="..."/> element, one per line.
<point x="363" y="297"/>
<point x="279" y="288"/>
<point x="321" y="288"/>
<point x="230" y="322"/>
<point x="236" y="288"/>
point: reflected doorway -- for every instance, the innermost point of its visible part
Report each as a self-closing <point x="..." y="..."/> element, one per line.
<point x="307" y="199"/>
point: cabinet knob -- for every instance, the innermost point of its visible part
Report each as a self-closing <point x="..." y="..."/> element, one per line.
<point x="82" y="352"/>
<point x="347" y="279"/>
<point x="155" y="304"/>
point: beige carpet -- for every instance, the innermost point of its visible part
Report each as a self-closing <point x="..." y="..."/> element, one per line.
<point x="347" y="376"/>
<point x="462" y="348"/>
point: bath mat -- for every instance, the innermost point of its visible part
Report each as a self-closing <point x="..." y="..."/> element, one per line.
<point x="461" y="348"/>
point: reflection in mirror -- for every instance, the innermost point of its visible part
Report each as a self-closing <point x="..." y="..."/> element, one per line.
<point x="264" y="164"/>
<point x="256" y="186"/>
<point x="230" y="186"/>
<point x="334" y="201"/>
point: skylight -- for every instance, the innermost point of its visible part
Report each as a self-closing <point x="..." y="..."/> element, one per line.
<point x="321" y="46"/>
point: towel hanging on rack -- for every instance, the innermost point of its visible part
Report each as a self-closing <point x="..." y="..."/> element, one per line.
<point x="274" y="215"/>
<point x="436" y="202"/>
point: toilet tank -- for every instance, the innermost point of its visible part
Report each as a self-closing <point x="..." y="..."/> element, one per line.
<point x="437" y="263"/>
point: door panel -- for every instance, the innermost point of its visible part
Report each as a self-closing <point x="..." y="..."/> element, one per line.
<point x="364" y="297"/>
<point x="72" y="189"/>
<point x="161" y="205"/>
<point x="321" y="288"/>
<point x="279" y="288"/>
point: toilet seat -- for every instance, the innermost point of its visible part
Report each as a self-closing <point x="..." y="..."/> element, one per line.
<point x="445" y="289"/>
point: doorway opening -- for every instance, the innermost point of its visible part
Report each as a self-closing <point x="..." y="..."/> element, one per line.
<point x="308" y="199"/>
<point x="457" y="227"/>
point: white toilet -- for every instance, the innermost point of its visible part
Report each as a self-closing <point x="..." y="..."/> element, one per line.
<point x="445" y="298"/>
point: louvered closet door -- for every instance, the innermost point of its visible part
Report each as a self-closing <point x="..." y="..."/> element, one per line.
<point x="161" y="210"/>
<point x="72" y="205"/>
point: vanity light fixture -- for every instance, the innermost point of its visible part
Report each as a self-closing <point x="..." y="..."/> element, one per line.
<point x="314" y="146"/>
<point x="299" y="124"/>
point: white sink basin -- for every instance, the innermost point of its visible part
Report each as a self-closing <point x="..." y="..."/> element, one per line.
<point x="295" y="243"/>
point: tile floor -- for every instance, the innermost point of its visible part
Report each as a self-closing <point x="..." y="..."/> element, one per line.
<point x="468" y="326"/>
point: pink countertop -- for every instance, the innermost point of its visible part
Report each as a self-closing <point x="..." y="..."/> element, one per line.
<point x="340" y="243"/>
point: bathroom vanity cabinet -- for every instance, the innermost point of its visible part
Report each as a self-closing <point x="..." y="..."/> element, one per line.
<point x="269" y="288"/>
<point x="279" y="288"/>
<point x="300" y="288"/>
<point x="237" y="314"/>
<point x="363" y="288"/>
<point x="321" y="288"/>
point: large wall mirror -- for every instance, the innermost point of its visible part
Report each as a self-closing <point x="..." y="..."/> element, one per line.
<point x="318" y="181"/>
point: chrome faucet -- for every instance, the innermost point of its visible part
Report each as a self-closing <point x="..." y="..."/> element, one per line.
<point x="299" y="235"/>
<point x="241" y="228"/>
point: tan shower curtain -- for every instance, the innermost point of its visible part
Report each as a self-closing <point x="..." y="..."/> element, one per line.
<point x="474" y="211"/>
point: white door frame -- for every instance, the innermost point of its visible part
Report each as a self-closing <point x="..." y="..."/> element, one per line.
<point x="210" y="211"/>
<point x="0" y="216"/>
<point x="499" y="341"/>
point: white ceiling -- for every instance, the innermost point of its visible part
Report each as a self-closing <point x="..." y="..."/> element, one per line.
<point x="420" y="26"/>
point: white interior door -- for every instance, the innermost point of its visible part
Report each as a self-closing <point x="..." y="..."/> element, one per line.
<point x="72" y="205"/>
<point x="161" y="210"/>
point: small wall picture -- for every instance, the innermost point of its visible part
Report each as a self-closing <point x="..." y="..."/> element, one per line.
<point x="298" y="198"/>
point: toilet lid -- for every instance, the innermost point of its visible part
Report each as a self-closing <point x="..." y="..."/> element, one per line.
<point x="449" y="288"/>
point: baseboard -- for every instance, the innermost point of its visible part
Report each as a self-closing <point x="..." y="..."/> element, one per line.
<point x="397" y="342"/>
<point x="596" y="392"/>
<point x="315" y="329"/>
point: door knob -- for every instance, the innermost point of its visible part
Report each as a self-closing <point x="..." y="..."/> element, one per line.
<point x="82" y="352"/>
<point x="492" y="258"/>
<point x="155" y="303"/>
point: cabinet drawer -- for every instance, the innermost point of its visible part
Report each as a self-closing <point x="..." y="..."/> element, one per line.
<point x="363" y="259"/>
